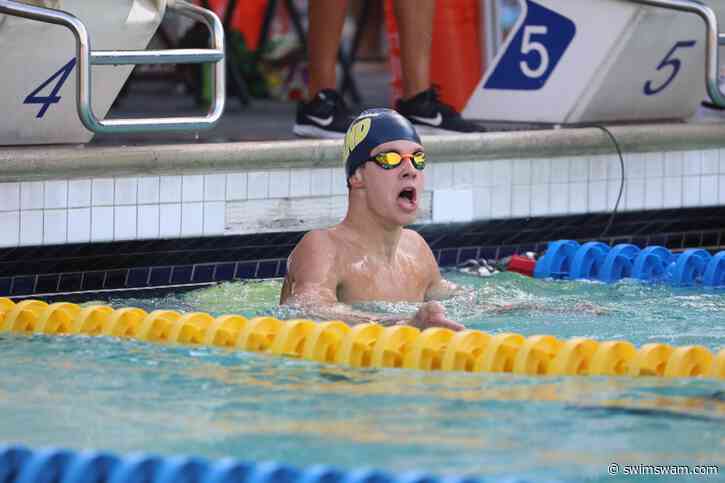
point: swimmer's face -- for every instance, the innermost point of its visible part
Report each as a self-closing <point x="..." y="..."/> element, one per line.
<point x="395" y="193"/>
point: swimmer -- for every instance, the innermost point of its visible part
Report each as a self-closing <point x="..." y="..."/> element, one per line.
<point x="369" y="255"/>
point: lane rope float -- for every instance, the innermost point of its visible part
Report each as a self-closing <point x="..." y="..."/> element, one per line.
<point x="370" y="344"/>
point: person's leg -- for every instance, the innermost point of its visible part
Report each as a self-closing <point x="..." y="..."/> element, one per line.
<point x="326" y="19"/>
<point x="415" y="25"/>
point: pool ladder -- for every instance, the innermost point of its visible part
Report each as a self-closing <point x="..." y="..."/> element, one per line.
<point x="85" y="58"/>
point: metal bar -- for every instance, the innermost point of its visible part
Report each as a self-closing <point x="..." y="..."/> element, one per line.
<point x="138" y="57"/>
<point x="85" y="58"/>
<point x="712" y="41"/>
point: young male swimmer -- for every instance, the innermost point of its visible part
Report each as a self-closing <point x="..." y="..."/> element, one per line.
<point x="369" y="256"/>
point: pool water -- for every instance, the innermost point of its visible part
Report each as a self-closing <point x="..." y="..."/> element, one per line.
<point x="125" y="395"/>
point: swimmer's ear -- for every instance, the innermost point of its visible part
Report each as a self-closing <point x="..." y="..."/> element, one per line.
<point x="356" y="180"/>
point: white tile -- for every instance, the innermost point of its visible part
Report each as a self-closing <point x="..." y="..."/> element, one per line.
<point x="9" y="197"/>
<point x="79" y="193"/>
<point x="482" y="175"/>
<point x="149" y="190"/>
<point x="721" y="189"/>
<point x="10" y="233"/>
<point x="237" y="186"/>
<point x="635" y="194"/>
<point x="614" y="186"/>
<point x="674" y="163"/>
<point x="279" y="183"/>
<point x="31" y="195"/>
<point x="124" y="226"/>
<point x="598" y="168"/>
<point x="102" y="223"/>
<point x="560" y="170"/>
<point x="558" y="198"/>
<point x="463" y="174"/>
<point x="126" y="191"/>
<point x="540" y="200"/>
<point x="691" y="191"/>
<point x="257" y="185"/>
<point x="148" y="221"/>
<point x="321" y="182"/>
<point x="170" y="187"/>
<point x="56" y="194"/>
<point x="522" y="172"/>
<point x="192" y="188"/>
<point x="102" y="192"/>
<point x="692" y="164"/>
<point x="452" y="205"/>
<point x="521" y="201"/>
<point x="170" y="220"/>
<point x="192" y="219"/>
<point x="79" y="225"/>
<point x="578" y="197"/>
<point x="339" y="181"/>
<point x="614" y="165"/>
<point x="214" y="218"/>
<point x="722" y="161"/>
<point x="540" y="171"/>
<point x="299" y="182"/>
<point x="708" y="190"/>
<point x="443" y="177"/>
<point x="654" y="197"/>
<point x="215" y="186"/>
<point x="635" y="165"/>
<point x="482" y="203"/>
<point x="672" y="193"/>
<point x="655" y="165"/>
<point x="578" y="168"/>
<point x="31" y="227"/>
<point x="55" y="227"/>
<point x="710" y="161"/>
<point x="502" y="172"/>
<point x="598" y="196"/>
<point x="501" y="201"/>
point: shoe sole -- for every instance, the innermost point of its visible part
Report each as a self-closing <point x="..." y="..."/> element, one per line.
<point x="307" y="131"/>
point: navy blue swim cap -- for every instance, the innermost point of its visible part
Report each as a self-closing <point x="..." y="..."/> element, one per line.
<point x="371" y="129"/>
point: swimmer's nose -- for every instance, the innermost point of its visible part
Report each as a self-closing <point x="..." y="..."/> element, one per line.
<point x="407" y="170"/>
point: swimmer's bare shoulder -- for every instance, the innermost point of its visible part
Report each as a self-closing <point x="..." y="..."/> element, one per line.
<point x="438" y="287"/>
<point x="312" y="268"/>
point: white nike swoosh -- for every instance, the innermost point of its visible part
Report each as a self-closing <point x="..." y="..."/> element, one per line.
<point x="433" y="121"/>
<point x="323" y="121"/>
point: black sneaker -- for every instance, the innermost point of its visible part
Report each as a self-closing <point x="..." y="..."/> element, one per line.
<point x="431" y="116"/>
<point x="325" y="116"/>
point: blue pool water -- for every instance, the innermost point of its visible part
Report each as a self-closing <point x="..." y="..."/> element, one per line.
<point x="125" y="395"/>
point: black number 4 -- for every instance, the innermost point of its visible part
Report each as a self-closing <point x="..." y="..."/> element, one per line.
<point x="53" y="98"/>
<point x="671" y="62"/>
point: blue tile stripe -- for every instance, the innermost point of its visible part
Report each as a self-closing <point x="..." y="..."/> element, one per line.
<point x="19" y="464"/>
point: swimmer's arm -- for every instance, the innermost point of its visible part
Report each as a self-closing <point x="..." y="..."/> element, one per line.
<point x="339" y="311"/>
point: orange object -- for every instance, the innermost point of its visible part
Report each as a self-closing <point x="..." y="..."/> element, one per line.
<point x="247" y="18"/>
<point x="456" y="53"/>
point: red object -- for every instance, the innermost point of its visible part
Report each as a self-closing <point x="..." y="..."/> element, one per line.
<point x="247" y="18"/>
<point x="521" y="264"/>
<point x="456" y="63"/>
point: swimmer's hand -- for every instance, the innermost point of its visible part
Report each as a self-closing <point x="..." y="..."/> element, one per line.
<point x="432" y="314"/>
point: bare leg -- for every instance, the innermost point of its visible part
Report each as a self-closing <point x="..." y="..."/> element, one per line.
<point x="415" y="24"/>
<point x="326" y="19"/>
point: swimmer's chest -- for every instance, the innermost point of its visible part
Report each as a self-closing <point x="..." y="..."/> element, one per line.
<point x="365" y="279"/>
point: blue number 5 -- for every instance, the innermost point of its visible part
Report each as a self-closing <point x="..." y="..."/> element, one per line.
<point x="667" y="61"/>
<point x="53" y="98"/>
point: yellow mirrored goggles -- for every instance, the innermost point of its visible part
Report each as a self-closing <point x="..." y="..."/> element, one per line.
<point x="393" y="159"/>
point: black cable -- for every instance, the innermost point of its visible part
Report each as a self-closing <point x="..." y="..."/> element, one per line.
<point x="621" y="183"/>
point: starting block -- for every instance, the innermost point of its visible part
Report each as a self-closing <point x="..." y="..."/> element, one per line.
<point x="587" y="61"/>
<point x="58" y="87"/>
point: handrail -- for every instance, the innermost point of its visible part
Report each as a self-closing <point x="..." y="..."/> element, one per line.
<point x="86" y="57"/>
<point x="713" y="39"/>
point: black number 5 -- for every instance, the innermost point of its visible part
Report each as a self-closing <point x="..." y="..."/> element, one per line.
<point x="671" y="62"/>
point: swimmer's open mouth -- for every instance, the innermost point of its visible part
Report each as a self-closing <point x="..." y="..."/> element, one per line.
<point x="408" y="194"/>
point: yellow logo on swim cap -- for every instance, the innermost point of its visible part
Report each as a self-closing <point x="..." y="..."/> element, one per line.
<point x="355" y="135"/>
